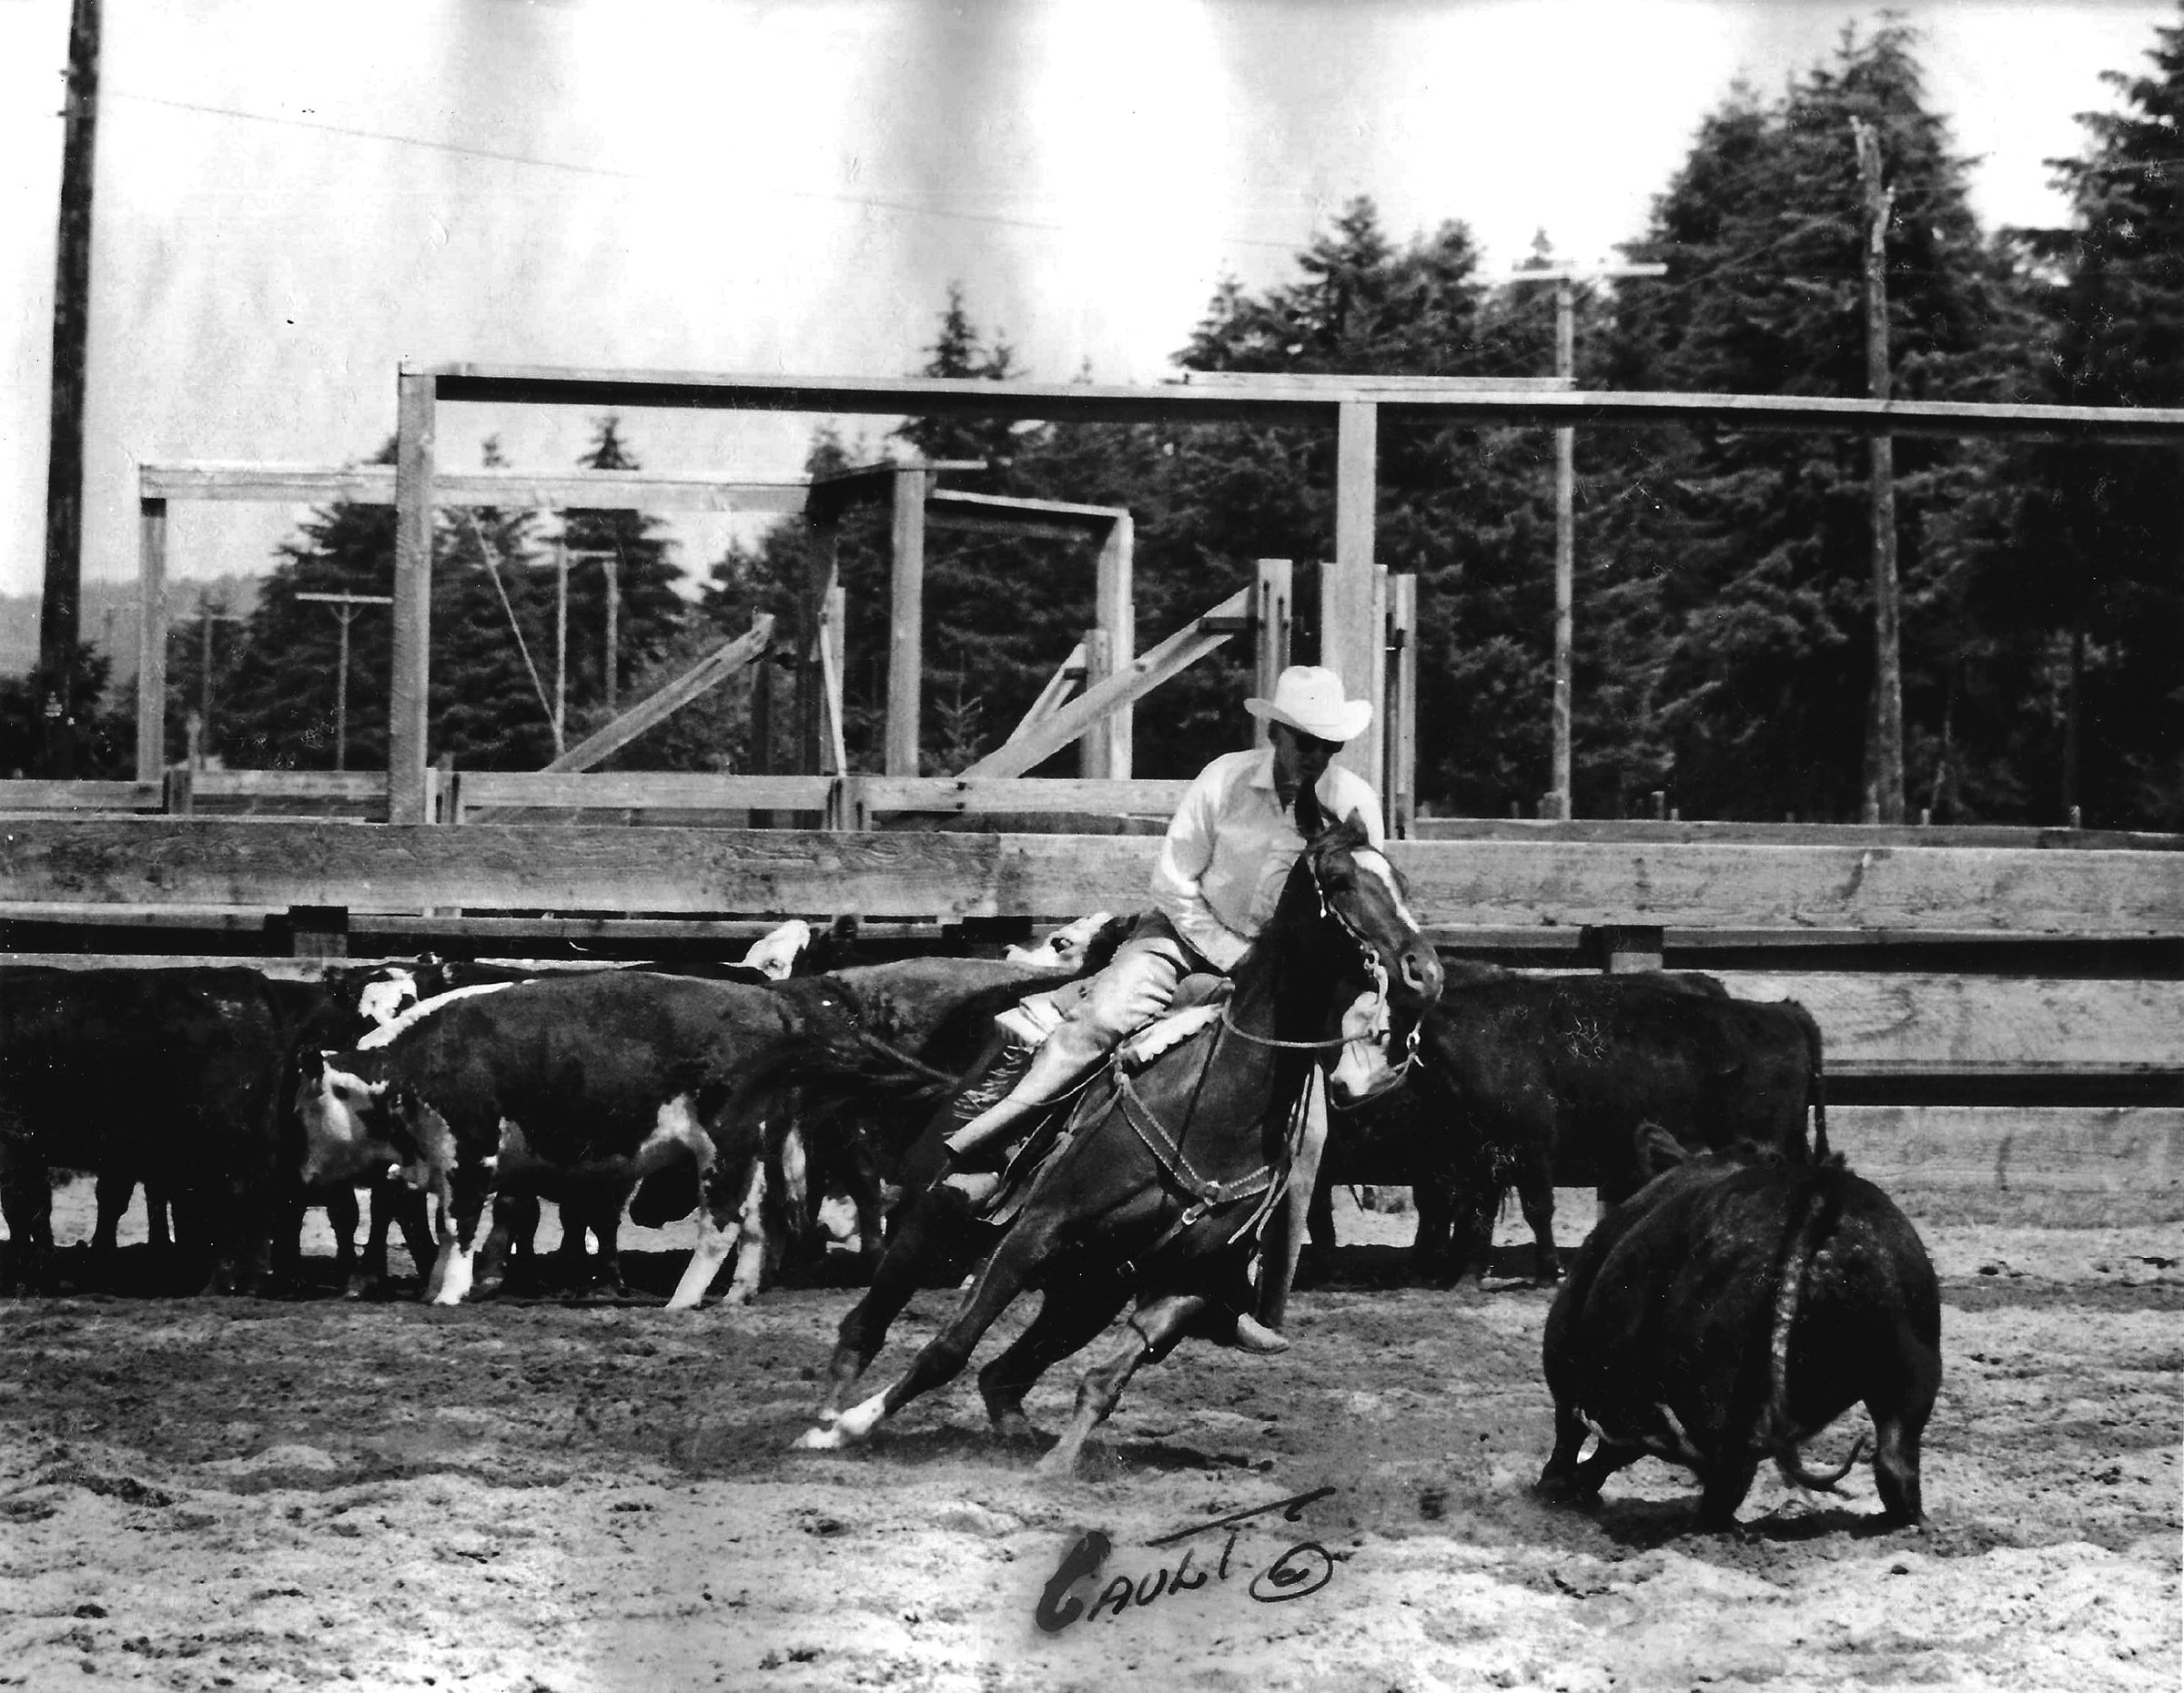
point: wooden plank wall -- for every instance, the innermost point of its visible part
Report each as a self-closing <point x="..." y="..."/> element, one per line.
<point x="129" y="860"/>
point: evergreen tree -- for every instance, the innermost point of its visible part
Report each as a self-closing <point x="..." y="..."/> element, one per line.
<point x="105" y="730"/>
<point x="2075" y="587"/>
<point x="1759" y="544"/>
<point x="652" y="618"/>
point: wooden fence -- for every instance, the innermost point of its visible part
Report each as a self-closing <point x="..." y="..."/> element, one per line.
<point x="2010" y="1011"/>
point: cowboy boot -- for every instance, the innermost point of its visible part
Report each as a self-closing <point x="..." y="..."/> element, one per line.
<point x="1071" y="1052"/>
<point x="1254" y="1336"/>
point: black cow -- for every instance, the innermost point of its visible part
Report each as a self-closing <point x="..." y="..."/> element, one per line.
<point x="1731" y="1310"/>
<point x="171" y="1077"/>
<point x="337" y="1009"/>
<point x="598" y="1079"/>
<point x="1539" y="1081"/>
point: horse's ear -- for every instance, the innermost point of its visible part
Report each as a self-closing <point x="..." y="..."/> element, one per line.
<point x="1658" y="1150"/>
<point x="1312" y="817"/>
<point x="1353" y="832"/>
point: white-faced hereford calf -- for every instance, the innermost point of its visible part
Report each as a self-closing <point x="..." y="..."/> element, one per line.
<point x="599" y="1079"/>
<point x="1731" y="1310"/>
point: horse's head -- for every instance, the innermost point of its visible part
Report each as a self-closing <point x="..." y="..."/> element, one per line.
<point x="1363" y="892"/>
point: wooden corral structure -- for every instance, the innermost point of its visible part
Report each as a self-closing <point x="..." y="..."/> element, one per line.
<point x="2001" y="1005"/>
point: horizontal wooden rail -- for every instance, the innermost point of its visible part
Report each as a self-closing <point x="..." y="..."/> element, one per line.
<point x="1728" y="834"/>
<point x="2135" y="1156"/>
<point x="1135" y="797"/>
<point x="649" y="790"/>
<point x="2000" y="1023"/>
<point x="1276" y="401"/>
<point x="33" y="794"/>
<point x="373" y="484"/>
<point x="138" y="861"/>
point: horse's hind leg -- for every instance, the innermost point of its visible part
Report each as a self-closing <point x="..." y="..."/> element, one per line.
<point x="1153" y="1331"/>
<point x="1069" y="1319"/>
<point x="1019" y="1258"/>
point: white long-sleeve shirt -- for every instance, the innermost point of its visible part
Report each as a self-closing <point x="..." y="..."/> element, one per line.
<point x="1230" y="845"/>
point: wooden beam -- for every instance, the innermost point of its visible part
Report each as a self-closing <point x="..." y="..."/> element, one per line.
<point x="1137" y="797"/>
<point x="140" y="861"/>
<point x="642" y="790"/>
<point x="1645" y="831"/>
<point x="1272" y="604"/>
<point x="1094" y="747"/>
<point x="1349" y="635"/>
<point x="1110" y="746"/>
<point x="874" y="484"/>
<point x="907" y="619"/>
<point x="949" y="509"/>
<point x="1276" y="401"/>
<point x="2124" y="1154"/>
<point x="151" y="639"/>
<point x="374" y="484"/>
<point x="1795" y="888"/>
<point x="1967" y="1022"/>
<point x="1171" y="658"/>
<point x="409" y="701"/>
<point x="38" y="794"/>
<point x="833" y="614"/>
<point x="1402" y="704"/>
<point x="1370" y="384"/>
<point x="707" y="674"/>
<point x="1059" y="688"/>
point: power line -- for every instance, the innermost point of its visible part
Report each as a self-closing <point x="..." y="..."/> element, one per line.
<point x="867" y="201"/>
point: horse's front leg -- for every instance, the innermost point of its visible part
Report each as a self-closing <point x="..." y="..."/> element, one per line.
<point x="1016" y="1262"/>
<point x="1286" y="1229"/>
<point x="1153" y="1331"/>
<point x="932" y="1243"/>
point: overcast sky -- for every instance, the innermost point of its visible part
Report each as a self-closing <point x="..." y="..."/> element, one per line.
<point x="293" y="198"/>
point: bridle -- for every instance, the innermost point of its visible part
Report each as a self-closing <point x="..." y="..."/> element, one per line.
<point x="1266" y="1182"/>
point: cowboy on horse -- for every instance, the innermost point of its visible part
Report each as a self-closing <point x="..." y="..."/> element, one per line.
<point x="1220" y="872"/>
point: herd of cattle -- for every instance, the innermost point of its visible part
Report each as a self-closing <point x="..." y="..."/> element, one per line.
<point x="237" y="1100"/>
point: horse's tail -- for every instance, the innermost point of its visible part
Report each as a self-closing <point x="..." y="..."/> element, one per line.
<point x="856" y="1071"/>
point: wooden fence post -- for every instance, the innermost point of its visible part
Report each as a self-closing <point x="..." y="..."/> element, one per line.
<point x="1401" y="697"/>
<point x="1111" y="744"/>
<point x="906" y="616"/>
<point x="1096" y="752"/>
<point x="151" y="639"/>
<point x="408" y="708"/>
<point x="1270" y="628"/>
<point x="1350" y="635"/>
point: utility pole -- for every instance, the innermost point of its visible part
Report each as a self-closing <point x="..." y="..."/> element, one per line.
<point x="1886" y="763"/>
<point x="1565" y="279"/>
<point x="344" y="608"/>
<point x="206" y="617"/>
<point x="60" y="609"/>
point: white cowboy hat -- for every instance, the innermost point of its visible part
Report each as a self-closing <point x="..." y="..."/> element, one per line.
<point x="1309" y="700"/>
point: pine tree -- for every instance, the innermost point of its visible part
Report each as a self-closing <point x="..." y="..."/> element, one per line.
<point x="651" y="621"/>
<point x="1760" y="542"/>
<point x="2075" y="586"/>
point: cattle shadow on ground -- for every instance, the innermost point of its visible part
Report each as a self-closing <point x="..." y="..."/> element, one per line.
<point x="1647" y="1525"/>
<point x="1509" y="1269"/>
<point x="1103" y="1460"/>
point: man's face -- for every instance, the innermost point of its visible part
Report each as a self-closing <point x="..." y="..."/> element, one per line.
<point x="1299" y="758"/>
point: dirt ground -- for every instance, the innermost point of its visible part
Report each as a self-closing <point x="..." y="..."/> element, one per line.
<point x="234" y="1493"/>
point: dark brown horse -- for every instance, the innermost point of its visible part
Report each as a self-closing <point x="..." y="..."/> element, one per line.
<point x="1163" y="1180"/>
